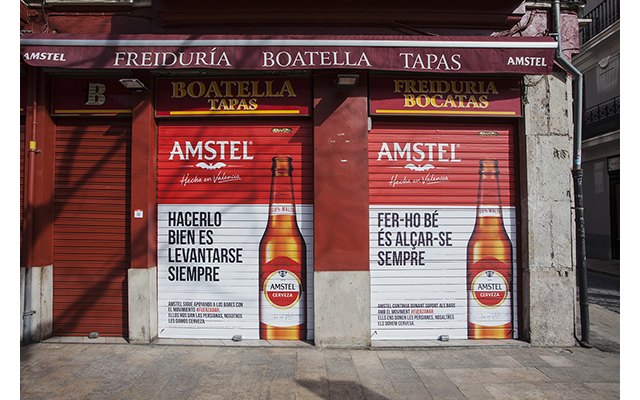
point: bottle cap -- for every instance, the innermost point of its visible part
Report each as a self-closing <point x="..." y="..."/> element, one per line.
<point x="489" y="166"/>
<point x="282" y="164"/>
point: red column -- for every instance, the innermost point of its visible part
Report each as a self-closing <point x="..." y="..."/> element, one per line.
<point x="341" y="212"/>
<point x="143" y="176"/>
<point x="39" y="173"/>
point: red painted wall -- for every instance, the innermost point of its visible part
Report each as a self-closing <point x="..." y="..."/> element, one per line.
<point x="143" y="176"/>
<point x="39" y="173"/>
<point x="341" y="213"/>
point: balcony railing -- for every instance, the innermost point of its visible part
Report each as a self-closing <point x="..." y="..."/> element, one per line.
<point x="605" y="14"/>
<point x="602" y="118"/>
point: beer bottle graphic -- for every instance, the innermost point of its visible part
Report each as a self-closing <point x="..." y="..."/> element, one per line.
<point x="489" y="263"/>
<point x="282" y="261"/>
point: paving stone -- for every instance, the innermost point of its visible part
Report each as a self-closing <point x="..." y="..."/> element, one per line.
<point x="231" y="343"/>
<point x="474" y="391"/>
<point x="346" y="389"/>
<point x="460" y="376"/>
<point x="180" y="384"/>
<point x="279" y="389"/>
<point x="606" y="390"/>
<point x="210" y="342"/>
<point x="573" y="391"/>
<point x="282" y="365"/>
<point x="372" y="373"/>
<point x="594" y="357"/>
<point x="542" y="391"/>
<point x="523" y="391"/>
<point x="249" y="376"/>
<point x="558" y="361"/>
<point x="492" y="375"/>
<point x="523" y="374"/>
<point x="311" y="374"/>
<point x="482" y="358"/>
<point x="527" y="357"/>
<point x="309" y="387"/>
<point x="425" y="359"/>
<point x="208" y="396"/>
<point x="451" y="358"/>
<point x="403" y="377"/>
<point x="438" y="384"/>
<point x="340" y="365"/>
<point x="582" y="374"/>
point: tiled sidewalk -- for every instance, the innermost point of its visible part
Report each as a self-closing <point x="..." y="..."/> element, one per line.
<point x="172" y="369"/>
<point x="122" y="371"/>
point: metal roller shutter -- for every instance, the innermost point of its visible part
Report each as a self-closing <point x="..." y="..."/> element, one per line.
<point x="91" y="230"/>
<point x="423" y="195"/>
<point x="214" y="182"/>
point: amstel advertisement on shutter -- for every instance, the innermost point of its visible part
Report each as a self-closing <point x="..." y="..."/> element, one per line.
<point x="235" y="221"/>
<point x="442" y="210"/>
<point x="442" y="232"/>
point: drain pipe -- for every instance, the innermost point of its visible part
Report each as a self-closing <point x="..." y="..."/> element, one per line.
<point x="581" y="254"/>
<point x="28" y="312"/>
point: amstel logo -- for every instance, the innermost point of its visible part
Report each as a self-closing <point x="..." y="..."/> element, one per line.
<point x="490" y="288"/>
<point x="282" y="289"/>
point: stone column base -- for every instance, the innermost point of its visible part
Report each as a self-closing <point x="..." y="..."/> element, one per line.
<point x="37" y="282"/>
<point x="143" y="305"/>
<point x="342" y="309"/>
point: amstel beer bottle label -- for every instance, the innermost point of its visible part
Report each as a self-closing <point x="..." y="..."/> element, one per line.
<point x="282" y="289"/>
<point x="489" y="294"/>
<point x="282" y="296"/>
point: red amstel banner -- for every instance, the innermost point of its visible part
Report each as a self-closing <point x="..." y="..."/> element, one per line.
<point x="438" y="54"/>
<point x="406" y="95"/>
<point x="258" y="96"/>
<point x="229" y="163"/>
<point x="434" y="166"/>
<point x="89" y="96"/>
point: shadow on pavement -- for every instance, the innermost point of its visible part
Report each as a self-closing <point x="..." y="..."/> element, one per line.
<point x="605" y="329"/>
<point x="339" y="389"/>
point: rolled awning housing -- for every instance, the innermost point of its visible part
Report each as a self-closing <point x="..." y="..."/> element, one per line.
<point x="440" y="54"/>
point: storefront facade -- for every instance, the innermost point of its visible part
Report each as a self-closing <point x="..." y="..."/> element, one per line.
<point x="241" y="189"/>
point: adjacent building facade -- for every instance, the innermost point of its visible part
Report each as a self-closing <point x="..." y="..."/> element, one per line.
<point x="348" y="175"/>
<point x="599" y="61"/>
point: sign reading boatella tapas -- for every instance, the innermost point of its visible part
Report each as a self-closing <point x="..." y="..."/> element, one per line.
<point x="272" y="96"/>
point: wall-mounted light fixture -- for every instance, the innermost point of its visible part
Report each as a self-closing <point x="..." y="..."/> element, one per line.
<point x="346" y="81"/>
<point x="133" y="83"/>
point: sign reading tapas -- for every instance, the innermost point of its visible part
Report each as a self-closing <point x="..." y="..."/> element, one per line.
<point x="272" y="96"/>
<point x="495" y="97"/>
